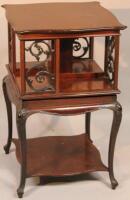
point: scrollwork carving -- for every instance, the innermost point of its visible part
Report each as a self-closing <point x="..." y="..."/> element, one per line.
<point x="78" y="46"/>
<point x="36" y="49"/>
<point x="39" y="79"/>
<point x="110" y="57"/>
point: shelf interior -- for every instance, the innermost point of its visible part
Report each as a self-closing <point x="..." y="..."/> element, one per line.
<point x="76" y="76"/>
<point x="61" y="156"/>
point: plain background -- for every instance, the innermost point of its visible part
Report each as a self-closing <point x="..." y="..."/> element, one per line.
<point x="97" y="186"/>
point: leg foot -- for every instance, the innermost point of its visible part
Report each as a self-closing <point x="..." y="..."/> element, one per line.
<point x="114" y="183"/>
<point x="6" y="149"/>
<point x="20" y="192"/>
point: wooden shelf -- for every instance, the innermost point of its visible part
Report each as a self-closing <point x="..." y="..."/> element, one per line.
<point x="61" y="156"/>
<point x="70" y="66"/>
<point x="82" y="85"/>
<point x="90" y="80"/>
<point x="80" y="66"/>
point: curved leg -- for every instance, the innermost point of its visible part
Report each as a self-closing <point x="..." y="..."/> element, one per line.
<point x="87" y="124"/>
<point x="117" y="116"/>
<point x="21" y="127"/>
<point x="9" y="115"/>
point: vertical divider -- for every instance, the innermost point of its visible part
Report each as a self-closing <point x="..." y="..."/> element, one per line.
<point x="114" y="53"/>
<point x="22" y="66"/>
<point x="9" y="44"/>
<point x="91" y="50"/>
<point x="13" y="51"/>
<point x="116" y="61"/>
<point x="57" y="64"/>
<point x="91" y="54"/>
<point x="106" y="54"/>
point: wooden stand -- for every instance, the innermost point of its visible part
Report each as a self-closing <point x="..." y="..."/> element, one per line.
<point x="67" y="80"/>
<point x="59" y="156"/>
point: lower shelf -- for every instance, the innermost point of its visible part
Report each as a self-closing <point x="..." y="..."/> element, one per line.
<point x="61" y="156"/>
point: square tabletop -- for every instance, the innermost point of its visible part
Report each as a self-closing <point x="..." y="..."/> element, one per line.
<point x="60" y="17"/>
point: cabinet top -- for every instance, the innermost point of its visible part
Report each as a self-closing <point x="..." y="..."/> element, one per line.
<point x="60" y="18"/>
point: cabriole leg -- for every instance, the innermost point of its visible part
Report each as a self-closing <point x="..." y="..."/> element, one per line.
<point x="117" y="116"/>
<point x="9" y="116"/>
<point x="21" y="127"/>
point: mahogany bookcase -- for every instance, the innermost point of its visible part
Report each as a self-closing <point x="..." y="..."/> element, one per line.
<point x="52" y="69"/>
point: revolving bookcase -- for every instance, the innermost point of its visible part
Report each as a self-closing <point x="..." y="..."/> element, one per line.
<point x="53" y="68"/>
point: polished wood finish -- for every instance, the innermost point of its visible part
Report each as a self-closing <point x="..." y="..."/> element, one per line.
<point x="13" y="49"/>
<point x="87" y="83"/>
<point x="62" y="58"/>
<point x="57" y="64"/>
<point x="62" y="156"/>
<point x="116" y="62"/>
<point x="66" y="81"/>
<point x="49" y="36"/>
<point x="73" y="85"/>
<point x="91" y="52"/>
<point x="54" y="105"/>
<point x="22" y="68"/>
<point x="56" y="19"/>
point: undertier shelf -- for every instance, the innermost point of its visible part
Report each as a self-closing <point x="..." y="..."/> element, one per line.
<point x="59" y="156"/>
